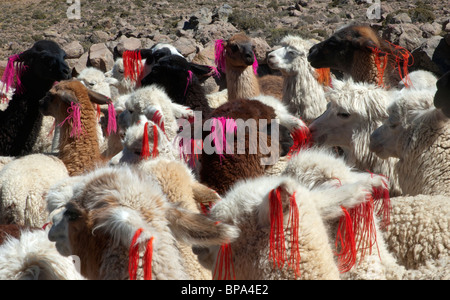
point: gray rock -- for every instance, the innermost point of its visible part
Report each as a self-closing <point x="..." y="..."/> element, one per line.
<point x="428" y="30"/>
<point x="222" y="13"/>
<point x="73" y="50"/>
<point x="401" y="18"/>
<point x="185" y="46"/>
<point x="127" y="43"/>
<point x="217" y="30"/>
<point x="425" y="57"/>
<point x="99" y="37"/>
<point x="81" y="64"/>
<point x="100" y="57"/>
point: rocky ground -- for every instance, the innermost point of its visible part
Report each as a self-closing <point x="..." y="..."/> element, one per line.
<point x="106" y="27"/>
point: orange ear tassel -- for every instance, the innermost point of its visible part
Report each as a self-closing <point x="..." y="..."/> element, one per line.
<point x="145" y="150"/>
<point x="324" y="76"/>
<point x="346" y="239"/>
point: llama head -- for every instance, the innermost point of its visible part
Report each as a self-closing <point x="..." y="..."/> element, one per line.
<point x="353" y="112"/>
<point x="107" y="208"/>
<point x="237" y="53"/>
<point x="46" y="59"/>
<point x="337" y="51"/>
<point x="67" y="99"/>
<point x="407" y="110"/>
<point x="291" y="57"/>
<point x="175" y="74"/>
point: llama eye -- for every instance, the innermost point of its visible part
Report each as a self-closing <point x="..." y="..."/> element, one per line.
<point x="72" y="216"/>
<point x="393" y="126"/>
<point x="343" y="115"/>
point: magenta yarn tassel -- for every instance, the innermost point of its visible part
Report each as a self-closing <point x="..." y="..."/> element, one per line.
<point x="189" y="80"/>
<point x="112" y="125"/>
<point x="219" y="55"/>
<point x="255" y="65"/>
<point x="74" y="115"/>
<point x="14" y="68"/>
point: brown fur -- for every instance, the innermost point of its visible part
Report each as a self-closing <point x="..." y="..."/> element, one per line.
<point x="79" y="154"/>
<point x="221" y="174"/>
<point x="11" y="230"/>
<point x="242" y="82"/>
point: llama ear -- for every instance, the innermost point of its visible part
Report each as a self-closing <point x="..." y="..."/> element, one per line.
<point x="98" y="98"/>
<point x="67" y="96"/>
<point x="364" y="43"/>
<point x="277" y="204"/>
<point x="197" y="229"/>
<point x="201" y="70"/>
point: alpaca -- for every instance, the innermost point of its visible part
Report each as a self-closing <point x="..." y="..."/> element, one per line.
<point x="358" y="51"/>
<point x="111" y="215"/>
<point x="405" y="249"/>
<point x="71" y="104"/>
<point x="37" y="70"/>
<point x="259" y="207"/>
<point x="302" y="92"/>
<point x="23" y="185"/>
<point x="29" y="255"/>
<point x="354" y="112"/>
<point x="416" y="133"/>
<point x="236" y="58"/>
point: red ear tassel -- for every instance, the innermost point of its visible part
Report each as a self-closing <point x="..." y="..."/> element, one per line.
<point x="157" y="119"/>
<point x="155" y="151"/>
<point x="277" y="251"/>
<point x="364" y="226"/>
<point x="302" y="140"/>
<point x="224" y="261"/>
<point x="383" y="202"/>
<point x="145" y="150"/>
<point x="147" y="260"/>
<point x="132" y="65"/>
<point x="99" y="112"/>
<point x="294" y="259"/>
<point x="346" y="239"/>
<point x="381" y="65"/>
<point x="133" y="256"/>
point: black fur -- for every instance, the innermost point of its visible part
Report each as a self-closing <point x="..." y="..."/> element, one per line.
<point x="20" y="123"/>
<point x="171" y="72"/>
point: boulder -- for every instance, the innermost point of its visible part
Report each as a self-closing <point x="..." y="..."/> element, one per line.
<point x="100" y="57"/>
<point x="73" y="50"/>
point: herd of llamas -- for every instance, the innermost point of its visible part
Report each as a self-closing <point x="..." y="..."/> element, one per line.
<point x="342" y="170"/>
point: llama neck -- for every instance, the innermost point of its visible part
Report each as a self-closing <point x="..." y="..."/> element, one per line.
<point x="242" y="83"/>
<point x="304" y="96"/>
<point x="82" y="153"/>
<point x="364" y="68"/>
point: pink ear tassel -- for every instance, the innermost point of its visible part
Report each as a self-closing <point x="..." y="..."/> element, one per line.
<point x="112" y="125"/>
<point x="215" y="72"/>
<point x="74" y="114"/>
<point x="219" y="55"/>
<point x="189" y="80"/>
<point x="12" y="71"/>
<point x="220" y="142"/>
<point x="255" y="65"/>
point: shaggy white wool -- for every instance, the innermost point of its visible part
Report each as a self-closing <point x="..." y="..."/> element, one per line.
<point x="34" y="257"/>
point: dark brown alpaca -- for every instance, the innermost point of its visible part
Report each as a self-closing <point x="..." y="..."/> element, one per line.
<point x="358" y="51"/>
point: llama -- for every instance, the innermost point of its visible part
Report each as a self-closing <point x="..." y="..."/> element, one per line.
<point x="29" y="255"/>
<point x="236" y="58"/>
<point x="354" y="112"/>
<point x="179" y="78"/>
<point x="416" y="133"/>
<point x="71" y="104"/>
<point x="260" y="208"/>
<point x="302" y="92"/>
<point x="37" y="70"/>
<point x="357" y="51"/>
<point x="399" y="240"/>
<point x="114" y="216"/>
